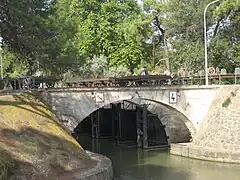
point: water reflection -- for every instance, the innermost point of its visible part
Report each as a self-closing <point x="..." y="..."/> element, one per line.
<point x="130" y="163"/>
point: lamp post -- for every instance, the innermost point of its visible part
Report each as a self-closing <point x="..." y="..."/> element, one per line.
<point x="1" y="63"/>
<point x="205" y="41"/>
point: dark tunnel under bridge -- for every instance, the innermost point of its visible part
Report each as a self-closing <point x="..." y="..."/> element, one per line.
<point x="127" y="122"/>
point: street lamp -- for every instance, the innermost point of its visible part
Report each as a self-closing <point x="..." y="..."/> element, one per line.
<point x="205" y="41"/>
<point x="1" y="63"/>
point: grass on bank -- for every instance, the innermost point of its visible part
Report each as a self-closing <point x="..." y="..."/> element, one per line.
<point x="32" y="144"/>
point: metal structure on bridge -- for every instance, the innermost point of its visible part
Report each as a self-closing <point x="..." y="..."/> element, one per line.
<point x="27" y="82"/>
<point x="215" y="76"/>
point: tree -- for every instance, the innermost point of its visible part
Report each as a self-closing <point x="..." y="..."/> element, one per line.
<point x="96" y="67"/>
<point x="13" y="65"/>
<point x="69" y="35"/>
<point x="60" y="52"/>
<point x="158" y="37"/>
<point x="225" y="45"/>
<point x="114" y="29"/>
<point x="21" y="26"/>
<point x="180" y="25"/>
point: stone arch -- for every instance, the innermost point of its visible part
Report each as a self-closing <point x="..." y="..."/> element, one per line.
<point x="177" y="112"/>
<point x="128" y="128"/>
<point x="72" y="107"/>
<point x="178" y="127"/>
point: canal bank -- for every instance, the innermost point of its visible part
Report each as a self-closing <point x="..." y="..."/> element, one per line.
<point x="101" y="171"/>
<point x="33" y="145"/>
<point x="189" y="150"/>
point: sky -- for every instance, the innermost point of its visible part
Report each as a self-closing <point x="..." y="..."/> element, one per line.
<point x="139" y="1"/>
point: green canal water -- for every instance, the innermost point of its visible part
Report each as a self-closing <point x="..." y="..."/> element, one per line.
<point x="130" y="163"/>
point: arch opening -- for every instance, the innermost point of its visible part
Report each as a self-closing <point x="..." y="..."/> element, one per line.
<point x="130" y="122"/>
<point x="179" y="128"/>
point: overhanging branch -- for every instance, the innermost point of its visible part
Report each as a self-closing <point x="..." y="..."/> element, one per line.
<point x="219" y="21"/>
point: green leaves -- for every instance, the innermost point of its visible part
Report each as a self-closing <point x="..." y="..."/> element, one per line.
<point x="112" y="29"/>
<point x="226" y="6"/>
<point x="13" y="64"/>
<point x="21" y="24"/>
<point x="66" y="35"/>
<point x="188" y="54"/>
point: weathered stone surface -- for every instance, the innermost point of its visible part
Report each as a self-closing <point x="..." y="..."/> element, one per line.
<point x="103" y="170"/>
<point x="220" y="128"/>
<point x="211" y="154"/>
<point x="181" y="119"/>
<point x="218" y="138"/>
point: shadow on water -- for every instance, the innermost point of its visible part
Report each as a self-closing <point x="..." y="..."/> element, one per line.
<point x="130" y="163"/>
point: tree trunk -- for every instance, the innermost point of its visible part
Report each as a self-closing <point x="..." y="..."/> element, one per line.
<point x="166" y="54"/>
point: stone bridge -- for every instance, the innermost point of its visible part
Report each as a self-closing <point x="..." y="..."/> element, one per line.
<point x="180" y="109"/>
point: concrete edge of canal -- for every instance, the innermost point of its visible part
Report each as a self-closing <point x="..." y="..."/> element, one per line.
<point x="102" y="171"/>
<point x="191" y="151"/>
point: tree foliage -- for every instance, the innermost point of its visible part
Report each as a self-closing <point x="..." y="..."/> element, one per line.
<point x="182" y="22"/>
<point x="92" y="38"/>
<point x="11" y="67"/>
<point x="22" y="27"/>
<point x="114" y="29"/>
<point x="225" y="45"/>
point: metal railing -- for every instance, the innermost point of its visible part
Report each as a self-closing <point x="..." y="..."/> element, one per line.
<point x="218" y="77"/>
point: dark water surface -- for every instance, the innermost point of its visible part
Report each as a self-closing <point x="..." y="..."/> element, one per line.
<point x="130" y="163"/>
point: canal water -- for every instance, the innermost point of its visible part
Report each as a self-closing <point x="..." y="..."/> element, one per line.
<point x="130" y="163"/>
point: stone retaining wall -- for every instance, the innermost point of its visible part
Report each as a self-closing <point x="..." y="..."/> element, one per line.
<point x="102" y="171"/>
<point x="218" y="138"/>
<point x="209" y="154"/>
<point x="220" y="129"/>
